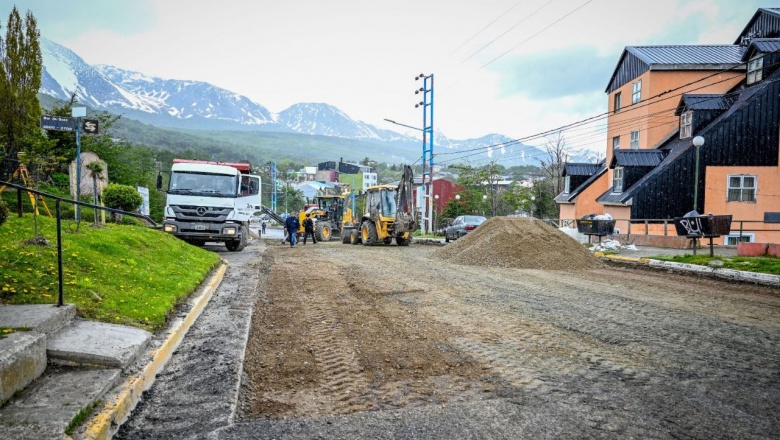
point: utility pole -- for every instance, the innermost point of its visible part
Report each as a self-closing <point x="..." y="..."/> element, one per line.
<point x="273" y="183"/>
<point x="78" y="113"/>
<point x="427" y="149"/>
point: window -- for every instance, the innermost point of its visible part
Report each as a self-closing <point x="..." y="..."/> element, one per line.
<point x="635" y="140"/>
<point x="636" y="92"/>
<point x="741" y="188"/>
<point x="755" y="69"/>
<point x="615" y="143"/>
<point x="617" y="180"/>
<point x="733" y="239"/>
<point x="567" y="185"/>
<point x="617" y="104"/>
<point x="686" y="125"/>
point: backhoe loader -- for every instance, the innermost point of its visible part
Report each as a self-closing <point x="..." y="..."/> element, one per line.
<point x="389" y="214"/>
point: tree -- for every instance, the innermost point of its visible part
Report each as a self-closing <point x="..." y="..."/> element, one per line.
<point x="20" y="79"/>
<point x="552" y="182"/>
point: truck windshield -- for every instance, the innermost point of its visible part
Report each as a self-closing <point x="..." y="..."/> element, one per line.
<point x="215" y="185"/>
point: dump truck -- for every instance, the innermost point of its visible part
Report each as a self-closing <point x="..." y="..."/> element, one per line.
<point x="211" y="202"/>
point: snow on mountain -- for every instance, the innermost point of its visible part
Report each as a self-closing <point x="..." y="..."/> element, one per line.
<point x="194" y="104"/>
<point x="326" y="120"/>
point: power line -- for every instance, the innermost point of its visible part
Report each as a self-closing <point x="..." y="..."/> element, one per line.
<point x="652" y="100"/>
<point x="534" y="35"/>
<point x="507" y="31"/>
<point x="485" y="28"/>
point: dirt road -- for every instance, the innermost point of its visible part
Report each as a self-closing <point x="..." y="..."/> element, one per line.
<point x="608" y="352"/>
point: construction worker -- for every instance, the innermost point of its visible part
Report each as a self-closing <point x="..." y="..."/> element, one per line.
<point x="308" y="227"/>
<point x="291" y="225"/>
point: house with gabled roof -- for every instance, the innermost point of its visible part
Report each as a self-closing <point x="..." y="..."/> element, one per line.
<point x="726" y="94"/>
<point x="579" y="189"/>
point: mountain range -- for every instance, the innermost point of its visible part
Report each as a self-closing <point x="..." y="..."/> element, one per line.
<point x="195" y="105"/>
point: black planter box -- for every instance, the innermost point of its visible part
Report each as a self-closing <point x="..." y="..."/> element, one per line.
<point x="703" y="225"/>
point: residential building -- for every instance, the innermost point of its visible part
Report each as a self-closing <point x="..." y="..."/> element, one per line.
<point x="729" y="95"/>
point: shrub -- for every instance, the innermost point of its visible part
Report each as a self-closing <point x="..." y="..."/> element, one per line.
<point x="3" y="212"/>
<point x="122" y="197"/>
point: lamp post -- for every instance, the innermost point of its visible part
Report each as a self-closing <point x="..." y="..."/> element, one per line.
<point x="698" y="141"/>
<point x="457" y="205"/>
<point x="484" y="203"/>
<point x="533" y="205"/>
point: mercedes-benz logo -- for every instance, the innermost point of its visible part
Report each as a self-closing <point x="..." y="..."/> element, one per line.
<point x="201" y="211"/>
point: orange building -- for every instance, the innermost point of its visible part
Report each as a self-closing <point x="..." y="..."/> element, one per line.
<point x="660" y="98"/>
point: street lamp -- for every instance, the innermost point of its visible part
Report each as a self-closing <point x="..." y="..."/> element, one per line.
<point x="457" y="205"/>
<point x="484" y="202"/>
<point x="698" y="141"/>
<point x="533" y="205"/>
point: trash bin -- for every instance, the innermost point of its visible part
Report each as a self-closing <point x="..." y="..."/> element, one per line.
<point x="595" y="227"/>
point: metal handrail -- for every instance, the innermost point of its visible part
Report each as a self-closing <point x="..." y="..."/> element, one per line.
<point x="58" y="199"/>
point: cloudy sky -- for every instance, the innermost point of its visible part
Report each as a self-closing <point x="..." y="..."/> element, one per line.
<point x="501" y="66"/>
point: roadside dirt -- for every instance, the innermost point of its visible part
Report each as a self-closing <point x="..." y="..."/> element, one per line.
<point x="341" y="329"/>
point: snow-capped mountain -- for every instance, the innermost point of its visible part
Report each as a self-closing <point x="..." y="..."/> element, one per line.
<point x="326" y="120"/>
<point x="199" y="105"/>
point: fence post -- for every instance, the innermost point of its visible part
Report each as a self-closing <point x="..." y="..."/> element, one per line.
<point x="647" y="227"/>
<point x="59" y="252"/>
<point x="666" y="227"/>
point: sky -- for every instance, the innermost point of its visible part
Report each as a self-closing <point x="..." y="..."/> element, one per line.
<point x="512" y="67"/>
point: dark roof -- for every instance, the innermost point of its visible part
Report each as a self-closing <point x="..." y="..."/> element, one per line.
<point x="764" y="45"/>
<point x="571" y="195"/>
<point x="682" y="57"/>
<point x="636" y="158"/>
<point x="703" y="102"/>
<point x="580" y="169"/>
<point x="771" y="12"/>
<point x="640" y="59"/>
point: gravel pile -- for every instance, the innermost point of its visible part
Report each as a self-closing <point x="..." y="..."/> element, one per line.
<point x="518" y="242"/>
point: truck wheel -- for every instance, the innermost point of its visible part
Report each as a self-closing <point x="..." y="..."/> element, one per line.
<point x="323" y="231"/>
<point x="401" y="241"/>
<point x="354" y="237"/>
<point x="387" y="240"/>
<point x="240" y="244"/>
<point x="368" y="234"/>
<point x="345" y="234"/>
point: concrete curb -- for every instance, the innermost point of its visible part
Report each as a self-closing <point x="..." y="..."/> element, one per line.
<point x="731" y="274"/>
<point x="114" y="412"/>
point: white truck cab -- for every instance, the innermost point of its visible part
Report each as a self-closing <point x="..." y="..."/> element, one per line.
<point x="211" y="201"/>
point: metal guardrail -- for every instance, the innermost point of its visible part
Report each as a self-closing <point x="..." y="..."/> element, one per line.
<point x="58" y="200"/>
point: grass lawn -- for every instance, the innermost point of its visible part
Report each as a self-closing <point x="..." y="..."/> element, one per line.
<point x="770" y="265"/>
<point x="117" y="273"/>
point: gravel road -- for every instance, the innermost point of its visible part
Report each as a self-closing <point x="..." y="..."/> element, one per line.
<point x="393" y="342"/>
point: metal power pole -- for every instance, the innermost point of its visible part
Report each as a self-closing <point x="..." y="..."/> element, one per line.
<point x="427" y="149"/>
<point x="273" y="184"/>
<point x="78" y="113"/>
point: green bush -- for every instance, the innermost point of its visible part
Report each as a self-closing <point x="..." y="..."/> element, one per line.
<point x="122" y="197"/>
<point x="60" y="180"/>
<point x="3" y="212"/>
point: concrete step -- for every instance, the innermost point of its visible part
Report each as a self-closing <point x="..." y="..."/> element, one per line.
<point x="46" y="407"/>
<point x="22" y="360"/>
<point x="90" y="343"/>
<point x="42" y="318"/>
<point x="23" y="353"/>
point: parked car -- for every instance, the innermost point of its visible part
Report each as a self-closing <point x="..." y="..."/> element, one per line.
<point x="461" y="226"/>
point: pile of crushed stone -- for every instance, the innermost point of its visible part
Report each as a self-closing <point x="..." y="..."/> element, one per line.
<point x="518" y="242"/>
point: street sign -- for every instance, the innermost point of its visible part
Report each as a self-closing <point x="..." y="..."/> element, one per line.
<point x="90" y="126"/>
<point x="58" y="123"/>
